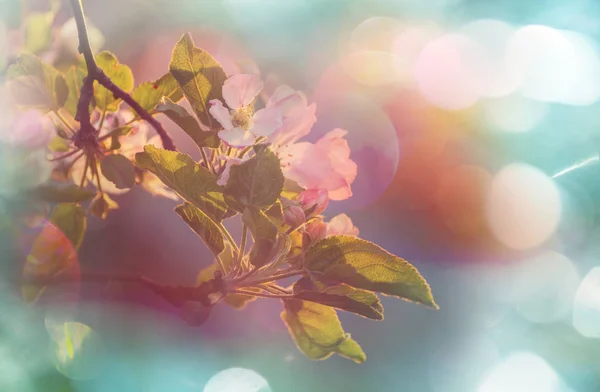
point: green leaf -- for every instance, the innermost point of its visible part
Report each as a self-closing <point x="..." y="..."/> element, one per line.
<point x="361" y="302"/>
<point x="203" y="225"/>
<point x="61" y="193"/>
<point x="237" y="301"/>
<point x="149" y="94"/>
<point x="275" y="213"/>
<point x="38" y="31"/>
<point x="351" y="349"/>
<point x="185" y="121"/>
<point x="118" y="170"/>
<point x="74" y="78"/>
<point x="255" y="183"/>
<point x="191" y="181"/>
<point x="264" y="233"/>
<point x="71" y="220"/>
<point x="200" y="76"/>
<point x="317" y="331"/>
<point x="120" y="74"/>
<point x="36" y="84"/>
<point x="364" y="265"/>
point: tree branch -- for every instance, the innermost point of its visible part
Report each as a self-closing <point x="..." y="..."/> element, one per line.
<point x="87" y="91"/>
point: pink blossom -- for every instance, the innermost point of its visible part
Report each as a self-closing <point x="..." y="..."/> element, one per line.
<point x="313" y="201"/>
<point x="325" y="164"/>
<point x="341" y="225"/>
<point x="338" y="225"/>
<point x="293" y="214"/>
<point x="298" y="116"/>
<point x="241" y="125"/>
<point x="229" y="162"/>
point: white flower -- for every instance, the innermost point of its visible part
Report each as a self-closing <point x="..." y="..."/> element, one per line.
<point x="241" y="125"/>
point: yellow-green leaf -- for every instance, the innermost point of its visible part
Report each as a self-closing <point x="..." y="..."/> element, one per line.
<point x="36" y="84"/>
<point x="258" y="182"/>
<point x="203" y="225"/>
<point x="317" y="331"/>
<point x="200" y="76"/>
<point x="361" y="302"/>
<point x="120" y="74"/>
<point x="364" y="265"/>
<point x="191" y="181"/>
<point x="71" y="220"/>
<point x="188" y="123"/>
<point x="55" y="192"/>
<point x="74" y="78"/>
<point x="118" y="170"/>
<point x="149" y="94"/>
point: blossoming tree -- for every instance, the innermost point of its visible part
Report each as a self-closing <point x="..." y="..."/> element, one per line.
<point x="90" y="133"/>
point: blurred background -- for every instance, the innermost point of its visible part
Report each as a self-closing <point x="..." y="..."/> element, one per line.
<point x="475" y="126"/>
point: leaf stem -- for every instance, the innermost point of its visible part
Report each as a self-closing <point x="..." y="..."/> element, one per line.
<point x="64" y="121"/>
<point x="263" y="295"/>
<point x="242" y="251"/>
<point x="272" y="278"/>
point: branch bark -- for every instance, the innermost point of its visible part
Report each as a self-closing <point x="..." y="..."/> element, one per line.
<point x="87" y="91"/>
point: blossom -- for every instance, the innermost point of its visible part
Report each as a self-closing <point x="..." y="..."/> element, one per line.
<point x="298" y="116"/>
<point x="313" y="201"/>
<point x="340" y="224"/>
<point x="325" y="164"/>
<point x="241" y="125"/>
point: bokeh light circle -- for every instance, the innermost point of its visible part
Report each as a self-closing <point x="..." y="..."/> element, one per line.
<point x="493" y="37"/>
<point x="237" y="380"/>
<point x="374" y="68"/>
<point x="375" y="34"/>
<point x="523" y="206"/>
<point x="521" y="372"/>
<point x="586" y="306"/>
<point x="447" y="71"/>
<point x="77" y="350"/>
<point x="459" y="366"/>
<point x="514" y="113"/>
<point x="545" y="62"/>
<point x="544" y="287"/>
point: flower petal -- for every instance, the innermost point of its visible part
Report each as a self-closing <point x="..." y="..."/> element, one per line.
<point x="266" y="121"/>
<point x="239" y="90"/>
<point x="220" y="113"/>
<point x="341" y="225"/>
<point x="237" y="137"/>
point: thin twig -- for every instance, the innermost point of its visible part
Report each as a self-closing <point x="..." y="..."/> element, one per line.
<point x="95" y="73"/>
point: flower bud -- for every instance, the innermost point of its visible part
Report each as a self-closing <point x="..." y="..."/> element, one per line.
<point x="313" y="201"/>
<point x="293" y="214"/>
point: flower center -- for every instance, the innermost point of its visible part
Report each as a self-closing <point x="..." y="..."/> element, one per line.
<point x="242" y="118"/>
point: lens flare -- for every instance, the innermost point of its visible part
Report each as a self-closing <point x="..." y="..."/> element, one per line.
<point x="523" y="206"/>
